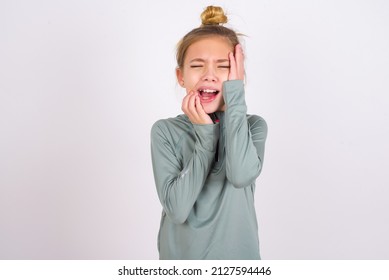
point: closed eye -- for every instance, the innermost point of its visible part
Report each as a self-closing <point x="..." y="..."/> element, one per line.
<point x="196" y="66"/>
<point x="224" y="66"/>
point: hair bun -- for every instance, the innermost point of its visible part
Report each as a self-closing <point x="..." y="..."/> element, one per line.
<point x="213" y="15"/>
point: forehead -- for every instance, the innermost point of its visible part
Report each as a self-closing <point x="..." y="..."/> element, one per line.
<point x="215" y="47"/>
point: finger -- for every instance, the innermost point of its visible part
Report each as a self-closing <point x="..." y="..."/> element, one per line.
<point x="204" y="118"/>
<point x="239" y="60"/>
<point x="192" y="106"/>
<point x="184" y="105"/>
<point x="199" y="106"/>
<point x="185" y="102"/>
<point x="233" y="74"/>
<point x="239" y="52"/>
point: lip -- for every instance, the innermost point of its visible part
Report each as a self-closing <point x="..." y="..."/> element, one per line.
<point x="207" y="97"/>
<point x="208" y="87"/>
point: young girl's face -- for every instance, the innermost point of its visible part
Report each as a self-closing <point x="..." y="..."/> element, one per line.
<point x="206" y="67"/>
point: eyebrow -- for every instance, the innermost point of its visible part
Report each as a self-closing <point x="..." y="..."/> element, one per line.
<point x="202" y="60"/>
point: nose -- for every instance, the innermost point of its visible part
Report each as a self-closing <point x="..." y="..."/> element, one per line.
<point x="209" y="74"/>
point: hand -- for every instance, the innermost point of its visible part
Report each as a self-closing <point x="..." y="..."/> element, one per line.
<point x="236" y="64"/>
<point x="192" y="107"/>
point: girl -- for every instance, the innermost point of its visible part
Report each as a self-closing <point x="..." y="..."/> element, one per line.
<point x="206" y="161"/>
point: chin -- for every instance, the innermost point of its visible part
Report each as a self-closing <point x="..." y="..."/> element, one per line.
<point x="212" y="108"/>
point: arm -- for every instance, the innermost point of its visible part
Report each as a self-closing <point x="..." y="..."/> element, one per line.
<point x="245" y="141"/>
<point x="178" y="185"/>
<point x="245" y="138"/>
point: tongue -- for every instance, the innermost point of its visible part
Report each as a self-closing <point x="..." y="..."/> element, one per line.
<point x="207" y="94"/>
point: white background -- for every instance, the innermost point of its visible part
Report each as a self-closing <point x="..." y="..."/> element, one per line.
<point x="81" y="83"/>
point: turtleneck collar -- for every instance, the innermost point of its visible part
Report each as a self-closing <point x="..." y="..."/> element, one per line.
<point x="218" y="117"/>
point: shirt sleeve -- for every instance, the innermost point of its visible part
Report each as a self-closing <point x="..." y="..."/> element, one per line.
<point x="245" y="137"/>
<point x="179" y="185"/>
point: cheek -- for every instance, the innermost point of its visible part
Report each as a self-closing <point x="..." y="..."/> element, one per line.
<point x="223" y="74"/>
<point x="190" y="79"/>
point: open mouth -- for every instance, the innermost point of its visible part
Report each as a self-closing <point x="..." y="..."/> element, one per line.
<point x="207" y="95"/>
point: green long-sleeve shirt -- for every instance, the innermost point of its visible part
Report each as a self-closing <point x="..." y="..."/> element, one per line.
<point x="205" y="178"/>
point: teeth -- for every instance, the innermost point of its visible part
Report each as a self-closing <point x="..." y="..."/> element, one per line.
<point x="209" y="90"/>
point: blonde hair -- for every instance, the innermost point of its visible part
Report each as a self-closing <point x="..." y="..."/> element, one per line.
<point x="213" y="15"/>
<point x="212" y="19"/>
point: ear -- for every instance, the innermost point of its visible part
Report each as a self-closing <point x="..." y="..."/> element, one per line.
<point x="180" y="77"/>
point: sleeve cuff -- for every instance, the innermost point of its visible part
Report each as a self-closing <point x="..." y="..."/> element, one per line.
<point x="233" y="92"/>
